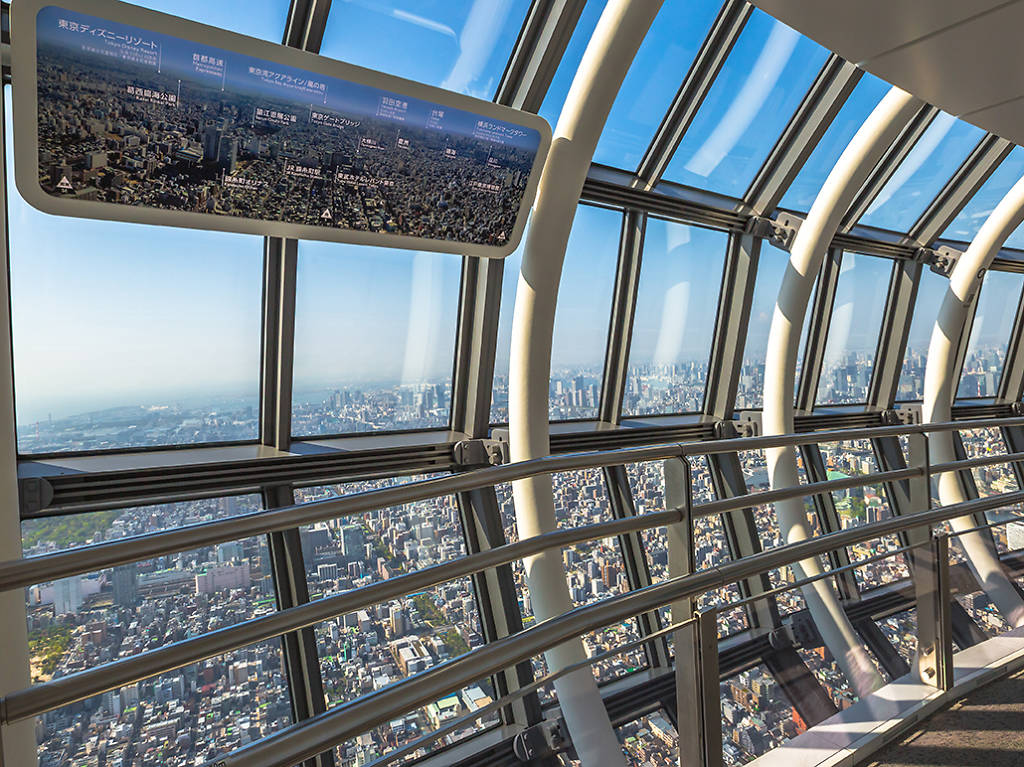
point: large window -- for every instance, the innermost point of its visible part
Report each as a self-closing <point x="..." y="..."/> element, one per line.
<point x="759" y="87"/>
<point x="581" y="317"/>
<point x="383" y="643"/>
<point x="990" y="334"/>
<point x="459" y="45"/>
<point x="919" y="178"/>
<point x="677" y="302"/>
<point x="853" y="330"/>
<point x="179" y="718"/>
<point x="129" y="335"/>
<point x="652" y="81"/>
<point x="930" y="292"/>
<point x="374" y="339"/>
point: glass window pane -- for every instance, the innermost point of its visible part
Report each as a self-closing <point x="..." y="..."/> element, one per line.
<point x="594" y="569"/>
<point x="760" y="86"/>
<point x="554" y="99"/>
<point x="266" y="19"/>
<point x="990" y="334"/>
<point x="581" y="317"/>
<point x="80" y="622"/>
<point x="926" y="311"/>
<point x="756" y="716"/>
<point x="677" y="302"/>
<point x="970" y="219"/>
<point x="771" y="268"/>
<point x="647" y="484"/>
<point x="649" y="741"/>
<point x="865" y="97"/>
<point x="653" y="79"/>
<point x="861" y="506"/>
<point x="931" y="163"/>
<point x="128" y="335"/>
<point x="386" y="642"/>
<point x="459" y="45"/>
<point x="374" y="339"/>
<point x="853" y="330"/>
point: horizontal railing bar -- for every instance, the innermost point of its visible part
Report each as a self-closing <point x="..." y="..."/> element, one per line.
<point x="799" y="491"/>
<point x="317" y="734"/>
<point x="968" y="463"/>
<point x="19" y="573"/>
<point x="84" y="684"/>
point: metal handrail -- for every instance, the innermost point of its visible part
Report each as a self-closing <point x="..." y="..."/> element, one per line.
<point x="317" y="734"/>
<point x="48" y="696"/>
<point x="110" y="676"/>
<point x="18" y="573"/>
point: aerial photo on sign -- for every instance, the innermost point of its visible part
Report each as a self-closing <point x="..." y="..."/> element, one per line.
<point x="135" y="117"/>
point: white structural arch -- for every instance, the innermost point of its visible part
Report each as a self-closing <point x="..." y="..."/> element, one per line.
<point x="940" y="388"/>
<point x="806" y="255"/>
<point x="609" y="53"/>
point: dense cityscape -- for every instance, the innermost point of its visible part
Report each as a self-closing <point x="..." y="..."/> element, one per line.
<point x="187" y="717"/>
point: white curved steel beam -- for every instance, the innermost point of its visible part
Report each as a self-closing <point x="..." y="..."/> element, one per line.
<point x="609" y="53"/>
<point x="806" y="255"/>
<point x="940" y="389"/>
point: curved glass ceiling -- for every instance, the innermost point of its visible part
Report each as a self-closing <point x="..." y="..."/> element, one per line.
<point x="805" y="187"/>
<point x="920" y="177"/>
<point x="761" y="84"/>
<point x="653" y="80"/>
<point x="459" y="45"/>
<point x="967" y="224"/>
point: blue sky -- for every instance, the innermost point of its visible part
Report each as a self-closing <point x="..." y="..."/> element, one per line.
<point x="109" y="314"/>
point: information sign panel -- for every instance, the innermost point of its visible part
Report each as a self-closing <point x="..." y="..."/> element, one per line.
<point x="127" y="114"/>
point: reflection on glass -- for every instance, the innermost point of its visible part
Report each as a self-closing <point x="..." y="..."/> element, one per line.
<point x="853" y="329"/>
<point x="677" y="301"/>
<point x="771" y="268"/>
<point x="865" y="97"/>
<point x="554" y="99"/>
<point x="503" y="348"/>
<point x="129" y="335"/>
<point x="386" y="642"/>
<point x="654" y="77"/>
<point x="265" y="20"/>
<point x="80" y="622"/>
<point x="759" y="87"/>
<point x="581" y="316"/>
<point x="930" y="293"/>
<point x="374" y="339"/>
<point x="919" y="178"/>
<point x="458" y="45"/>
<point x="990" y="334"/>
<point x="970" y="219"/>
